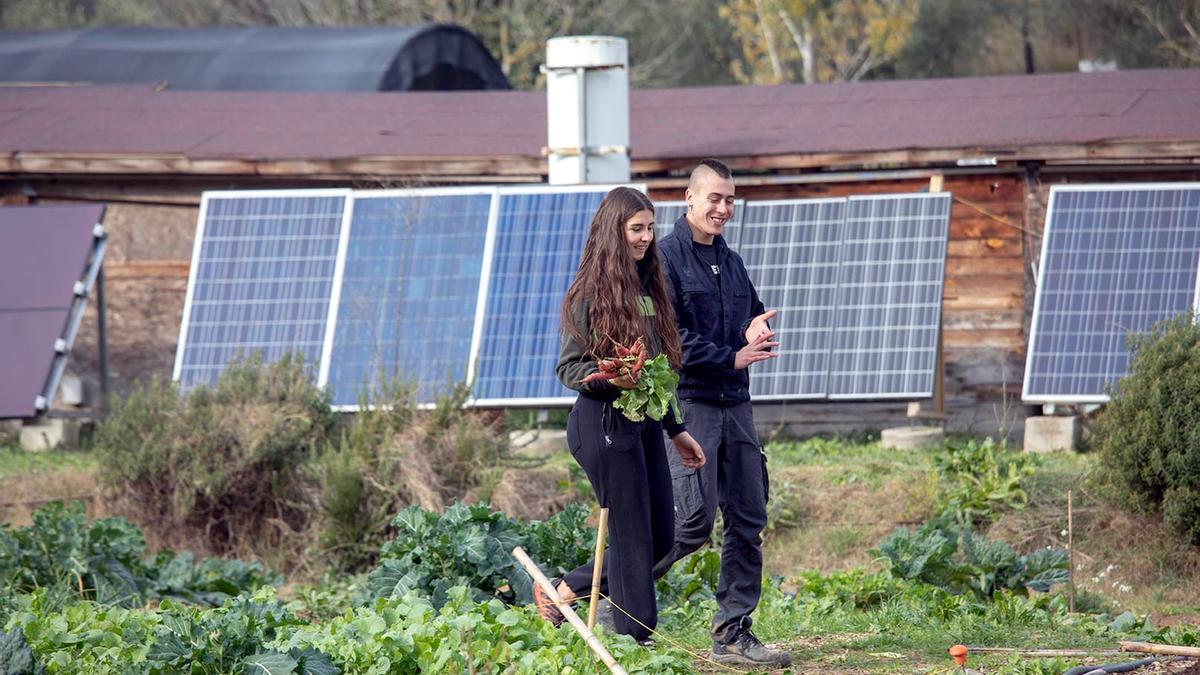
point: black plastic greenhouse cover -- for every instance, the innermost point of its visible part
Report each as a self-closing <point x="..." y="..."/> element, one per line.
<point x="431" y="57"/>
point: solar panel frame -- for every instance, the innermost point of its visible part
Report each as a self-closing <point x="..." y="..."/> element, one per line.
<point x="1035" y="328"/>
<point x="206" y="200"/>
<point x="767" y="369"/>
<point x="568" y="396"/>
<point x="75" y="316"/>
<point x="328" y="362"/>
<point x="835" y="393"/>
<point x="43" y="309"/>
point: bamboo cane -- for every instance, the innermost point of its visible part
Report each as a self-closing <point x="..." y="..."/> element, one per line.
<point x="1169" y="650"/>
<point x="572" y="618"/>
<point x="597" y="569"/>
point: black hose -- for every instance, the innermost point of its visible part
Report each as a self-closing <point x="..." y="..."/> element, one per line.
<point x="1110" y="668"/>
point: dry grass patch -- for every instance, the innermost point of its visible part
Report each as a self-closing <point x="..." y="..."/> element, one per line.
<point x="1132" y="559"/>
<point x="29" y="480"/>
<point x="840" y="520"/>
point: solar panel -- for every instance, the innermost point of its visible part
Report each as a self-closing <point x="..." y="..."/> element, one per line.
<point x="1115" y="259"/>
<point x="437" y="286"/>
<point x="540" y="233"/>
<point x="50" y="258"/>
<point x="665" y="215"/>
<point x="263" y="279"/>
<point x="792" y="251"/>
<point x="28" y="338"/>
<point x="409" y="291"/>
<point x="889" y="297"/>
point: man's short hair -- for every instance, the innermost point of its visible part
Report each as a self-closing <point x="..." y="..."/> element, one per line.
<point x="718" y="167"/>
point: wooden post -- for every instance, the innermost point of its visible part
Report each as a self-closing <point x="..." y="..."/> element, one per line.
<point x="572" y="618"/>
<point x="597" y="569"/>
<point x="936" y="184"/>
<point x="1070" y="555"/>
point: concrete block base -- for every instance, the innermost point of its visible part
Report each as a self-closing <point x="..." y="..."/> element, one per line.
<point x="912" y="438"/>
<point x="49" y="433"/>
<point x="1050" y="433"/>
<point x="538" y="442"/>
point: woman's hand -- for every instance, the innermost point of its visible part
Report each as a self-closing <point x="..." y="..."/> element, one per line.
<point x="689" y="450"/>
<point x="624" y="382"/>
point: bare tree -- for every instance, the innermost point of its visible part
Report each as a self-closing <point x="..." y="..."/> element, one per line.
<point x="839" y="41"/>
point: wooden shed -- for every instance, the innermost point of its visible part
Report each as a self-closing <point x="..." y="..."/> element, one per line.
<point x="998" y="143"/>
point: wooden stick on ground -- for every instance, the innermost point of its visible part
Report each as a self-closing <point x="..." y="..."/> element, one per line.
<point x="572" y="618"/>
<point x="1045" y="652"/>
<point x="597" y="569"/>
<point x="1170" y="650"/>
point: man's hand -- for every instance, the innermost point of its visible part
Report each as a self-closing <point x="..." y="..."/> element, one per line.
<point x="759" y="325"/>
<point x="689" y="450"/>
<point x="755" y="351"/>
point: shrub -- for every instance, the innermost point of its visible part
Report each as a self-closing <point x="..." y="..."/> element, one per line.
<point x="984" y="480"/>
<point x="392" y="455"/>
<point x="72" y="559"/>
<point x="471" y="546"/>
<point x="409" y="635"/>
<point x="958" y="560"/>
<point x="1149" y="435"/>
<point x="221" y="464"/>
<point x="362" y="478"/>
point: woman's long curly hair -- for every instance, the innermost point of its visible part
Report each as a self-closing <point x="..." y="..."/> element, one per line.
<point x="608" y="278"/>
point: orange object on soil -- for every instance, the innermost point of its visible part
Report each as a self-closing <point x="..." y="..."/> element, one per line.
<point x="959" y="652"/>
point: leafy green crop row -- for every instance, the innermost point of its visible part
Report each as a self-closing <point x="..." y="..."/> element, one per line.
<point x="103" y="561"/>
<point x="470" y="628"/>
<point x="470" y="546"/>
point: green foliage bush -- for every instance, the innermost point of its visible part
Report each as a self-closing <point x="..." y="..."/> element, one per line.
<point x="90" y="638"/>
<point x="1149" y="435"/>
<point x="72" y="559"/>
<point x="409" y="635"/>
<point x="958" y="560"/>
<point x="470" y="546"/>
<point x="982" y="480"/>
<point x="61" y="550"/>
<point x="223" y="463"/>
<point x="257" y="634"/>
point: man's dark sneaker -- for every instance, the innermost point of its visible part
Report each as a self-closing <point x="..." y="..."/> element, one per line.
<point x="743" y="649"/>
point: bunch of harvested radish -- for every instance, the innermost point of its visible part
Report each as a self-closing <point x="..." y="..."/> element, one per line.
<point x="654" y="382"/>
<point x="628" y="362"/>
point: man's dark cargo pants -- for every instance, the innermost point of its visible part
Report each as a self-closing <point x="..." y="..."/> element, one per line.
<point x="734" y="478"/>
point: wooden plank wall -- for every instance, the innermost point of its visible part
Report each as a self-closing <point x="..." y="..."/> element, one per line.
<point x="984" y="312"/>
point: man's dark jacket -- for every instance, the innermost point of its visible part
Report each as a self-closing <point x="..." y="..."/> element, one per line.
<point x="713" y="312"/>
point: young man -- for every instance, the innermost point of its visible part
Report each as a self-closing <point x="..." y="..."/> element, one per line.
<point x="723" y="327"/>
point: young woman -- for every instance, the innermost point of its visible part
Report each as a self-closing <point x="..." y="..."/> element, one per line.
<point x="618" y="296"/>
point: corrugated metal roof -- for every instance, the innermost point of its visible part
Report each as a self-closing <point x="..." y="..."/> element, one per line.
<point x="260" y="58"/>
<point x="1008" y="111"/>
